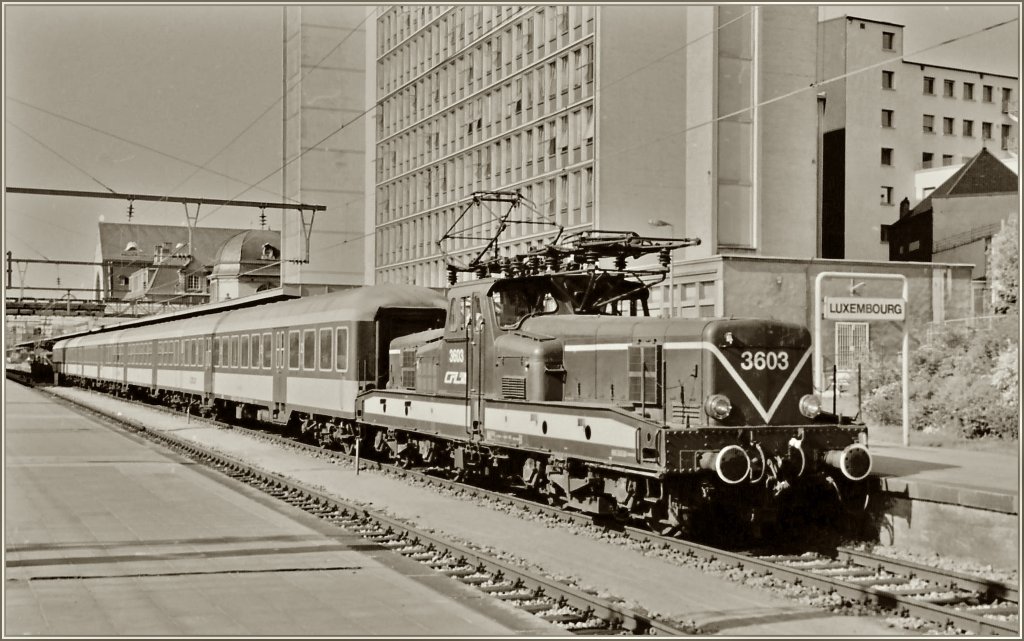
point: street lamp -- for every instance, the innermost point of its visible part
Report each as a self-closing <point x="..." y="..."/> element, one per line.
<point x="671" y="267"/>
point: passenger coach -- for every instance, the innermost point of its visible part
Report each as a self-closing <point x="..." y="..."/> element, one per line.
<point x="299" y="361"/>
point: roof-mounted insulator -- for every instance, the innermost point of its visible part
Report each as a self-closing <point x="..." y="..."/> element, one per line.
<point x="553" y="264"/>
<point x="665" y="257"/>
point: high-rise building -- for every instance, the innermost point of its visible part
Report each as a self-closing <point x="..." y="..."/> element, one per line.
<point x="700" y="119"/>
<point x="886" y="118"/>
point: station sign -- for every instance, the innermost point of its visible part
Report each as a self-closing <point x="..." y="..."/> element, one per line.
<point x="861" y="309"/>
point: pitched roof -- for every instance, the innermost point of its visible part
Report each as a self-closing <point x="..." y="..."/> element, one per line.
<point x="982" y="174"/>
<point x="207" y="241"/>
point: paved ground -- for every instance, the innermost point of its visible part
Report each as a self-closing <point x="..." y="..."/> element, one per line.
<point x="714" y="603"/>
<point x="105" y="535"/>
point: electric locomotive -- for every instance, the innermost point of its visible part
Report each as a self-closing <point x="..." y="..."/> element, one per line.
<point x="550" y="375"/>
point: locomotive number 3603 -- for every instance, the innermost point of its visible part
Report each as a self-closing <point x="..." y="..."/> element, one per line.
<point x="764" y="360"/>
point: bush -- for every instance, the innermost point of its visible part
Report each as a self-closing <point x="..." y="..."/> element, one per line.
<point x="962" y="381"/>
<point x="1004" y="267"/>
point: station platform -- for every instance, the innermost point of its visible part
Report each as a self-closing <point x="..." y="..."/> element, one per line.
<point x="946" y="501"/>
<point x="106" y="535"/>
<point x="981" y="480"/>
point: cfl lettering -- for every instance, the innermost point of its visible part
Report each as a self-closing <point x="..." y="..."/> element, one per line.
<point x="455" y="378"/>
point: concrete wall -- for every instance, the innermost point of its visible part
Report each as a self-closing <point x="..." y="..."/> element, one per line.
<point x="324" y="143"/>
<point x="641" y="146"/>
<point x="956" y="215"/>
<point x="865" y="175"/>
<point x="787" y="216"/>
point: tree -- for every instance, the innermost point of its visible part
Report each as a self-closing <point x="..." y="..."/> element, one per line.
<point x="1004" y="267"/>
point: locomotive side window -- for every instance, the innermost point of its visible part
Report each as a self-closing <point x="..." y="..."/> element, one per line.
<point x="341" y="350"/>
<point x="309" y="349"/>
<point x="268" y="350"/>
<point x="454" y="318"/>
<point x="245" y="351"/>
<point x="326" y="350"/>
<point x="293" y="350"/>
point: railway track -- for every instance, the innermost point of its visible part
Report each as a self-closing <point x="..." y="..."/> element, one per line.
<point x="938" y="597"/>
<point x="563" y="605"/>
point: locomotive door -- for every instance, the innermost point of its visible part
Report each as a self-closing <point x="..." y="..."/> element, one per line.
<point x="474" y="371"/>
<point x="456" y="366"/>
<point x="481" y="347"/>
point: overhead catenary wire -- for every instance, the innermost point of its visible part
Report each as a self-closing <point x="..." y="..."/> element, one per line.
<point x="59" y="155"/>
<point x="138" y="144"/>
<point x="276" y="102"/>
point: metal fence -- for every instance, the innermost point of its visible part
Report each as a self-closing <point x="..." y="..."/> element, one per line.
<point x="983" y="323"/>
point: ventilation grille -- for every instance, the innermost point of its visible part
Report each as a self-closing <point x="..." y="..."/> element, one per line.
<point x="409" y="368"/>
<point x="513" y="387"/>
<point x="645" y="382"/>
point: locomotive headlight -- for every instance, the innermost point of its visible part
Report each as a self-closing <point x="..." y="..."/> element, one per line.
<point x="810" y="406"/>
<point x="718" y="406"/>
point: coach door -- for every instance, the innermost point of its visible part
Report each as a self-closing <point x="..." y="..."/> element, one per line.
<point x="280" y="374"/>
<point x="207" y="363"/>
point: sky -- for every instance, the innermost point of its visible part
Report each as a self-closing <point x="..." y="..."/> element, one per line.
<point x="140" y="98"/>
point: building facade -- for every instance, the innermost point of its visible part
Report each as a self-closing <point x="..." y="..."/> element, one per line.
<point x="606" y="117"/>
<point x="886" y="118"/>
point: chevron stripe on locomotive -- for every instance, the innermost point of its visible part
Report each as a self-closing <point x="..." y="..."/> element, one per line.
<point x="546" y="374"/>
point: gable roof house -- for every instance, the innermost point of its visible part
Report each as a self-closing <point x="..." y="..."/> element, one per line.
<point x="956" y="221"/>
<point x="158" y="263"/>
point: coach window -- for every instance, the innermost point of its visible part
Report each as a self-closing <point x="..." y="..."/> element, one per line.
<point x="326" y="350"/>
<point x="341" y="350"/>
<point x="254" y="353"/>
<point x="245" y="351"/>
<point x="230" y="361"/>
<point x="181" y="353"/>
<point x="309" y="349"/>
<point x="293" y="350"/>
<point x="268" y="350"/>
<point x="236" y="358"/>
